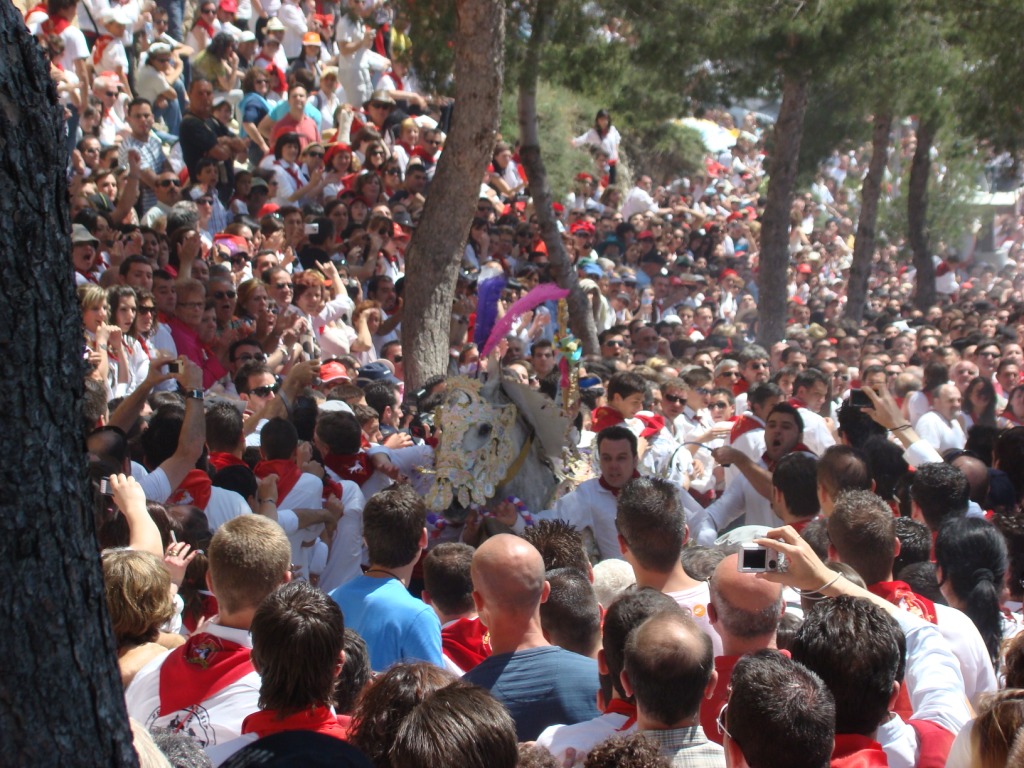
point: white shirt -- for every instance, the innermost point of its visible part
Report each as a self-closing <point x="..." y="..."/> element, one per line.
<point x="583" y="737"/>
<point x="668" y="458"/>
<point x="817" y="436"/>
<point x="212" y="721"/>
<point x="307" y="493"/>
<point x="223" y="505"/>
<point x="346" y="547"/>
<point x="637" y="201"/>
<point x="939" y="433"/>
<point x="695" y="602"/>
<point x="739" y="498"/>
<point x="590" y="506"/>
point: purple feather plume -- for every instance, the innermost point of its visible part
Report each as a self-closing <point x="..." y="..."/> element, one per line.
<point x="542" y="293"/>
<point x="488" y="293"/>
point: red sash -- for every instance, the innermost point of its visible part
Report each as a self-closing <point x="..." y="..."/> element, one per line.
<point x="740" y="387"/>
<point x="318" y="719"/>
<point x="798" y="448"/>
<point x="620" y="707"/>
<point x="288" y="474"/>
<point x="200" y="669"/>
<point x="605" y="417"/>
<point x="854" y="751"/>
<point x="207" y="610"/>
<point x="101" y="45"/>
<point x="746" y="423"/>
<point x="797" y="403"/>
<point x="933" y="743"/>
<point x="901" y="595"/>
<point x="299" y="183"/>
<point x="220" y="459"/>
<point x="354" y="467"/>
<point x="41" y="8"/>
<point x="614" y="491"/>
<point x="207" y="27"/>
<point x="90" y="276"/>
<point x="466" y="642"/>
<point x="195" y="489"/>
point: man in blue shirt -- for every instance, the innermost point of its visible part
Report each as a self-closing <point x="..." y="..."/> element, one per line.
<point x="395" y="625"/>
<point x="540" y="684"/>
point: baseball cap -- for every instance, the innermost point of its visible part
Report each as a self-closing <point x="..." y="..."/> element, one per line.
<point x="79" y="234"/>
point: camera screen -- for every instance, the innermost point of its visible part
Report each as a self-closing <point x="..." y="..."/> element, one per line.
<point x="755" y="558"/>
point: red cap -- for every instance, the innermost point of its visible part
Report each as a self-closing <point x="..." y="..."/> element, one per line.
<point x="229" y="6"/>
<point x="333" y="372"/>
<point x="558" y="207"/>
<point x="584" y="177"/>
<point x="645" y="235"/>
<point x="582" y="226"/>
<point x="268" y="209"/>
<point x="400" y="234"/>
<point x="804" y="269"/>
<point x="728" y="273"/>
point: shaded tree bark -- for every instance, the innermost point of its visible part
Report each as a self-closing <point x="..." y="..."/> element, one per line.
<point x="61" y="701"/>
<point x="774" y="257"/>
<point x="870" y="192"/>
<point x="581" y="316"/>
<point x="917" y="213"/>
<point x="432" y="264"/>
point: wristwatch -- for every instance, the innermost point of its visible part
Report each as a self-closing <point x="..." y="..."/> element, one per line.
<point x="196" y="394"/>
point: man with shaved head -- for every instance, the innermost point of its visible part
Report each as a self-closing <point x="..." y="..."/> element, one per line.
<point x="745" y="611"/>
<point x="540" y="684"/>
<point x="669" y="668"/>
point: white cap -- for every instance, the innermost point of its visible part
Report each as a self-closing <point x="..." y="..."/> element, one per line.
<point x="116" y="15"/>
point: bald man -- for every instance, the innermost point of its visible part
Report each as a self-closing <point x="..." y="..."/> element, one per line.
<point x="745" y="611"/>
<point x="540" y="684"/>
<point x="668" y="667"/>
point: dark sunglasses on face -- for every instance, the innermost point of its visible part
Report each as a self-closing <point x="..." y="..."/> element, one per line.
<point x="204" y="201"/>
<point x="238" y="258"/>
<point x="283" y="286"/>
<point x="675" y="399"/>
<point x="169" y="183"/>
<point x="146" y="310"/>
<point x="266" y="391"/>
<point x="314" y="154"/>
<point x="220" y="295"/>
<point x="719" y="404"/>
<point x="615" y="343"/>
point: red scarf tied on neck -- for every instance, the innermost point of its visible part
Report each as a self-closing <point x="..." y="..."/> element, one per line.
<point x="288" y="474"/>
<point x="605" y="417"/>
<point x="101" y="44"/>
<point x="220" y="459"/>
<point x="195" y="490"/>
<point x="798" y="448"/>
<point x="353" y="466"/>
<point x="198" y="670"/>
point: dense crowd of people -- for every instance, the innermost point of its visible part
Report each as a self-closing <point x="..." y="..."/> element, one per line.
<point x="245" y="178"/>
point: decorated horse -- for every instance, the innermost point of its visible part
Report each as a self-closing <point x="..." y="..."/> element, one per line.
<point x="498" y="440"/>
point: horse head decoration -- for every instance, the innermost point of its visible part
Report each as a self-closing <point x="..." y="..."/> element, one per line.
<point x="497" y="439"/>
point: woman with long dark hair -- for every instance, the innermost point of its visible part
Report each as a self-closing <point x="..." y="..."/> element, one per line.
<point x="979" y="404"/>
<point x="971" y="560"/>
<point x="604" y="136"/>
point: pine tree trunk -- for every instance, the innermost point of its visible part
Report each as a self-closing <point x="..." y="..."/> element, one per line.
<point x="774" y="257"/>
<point x="581" y="316"/>
<point x="61" y="702"/>
<point x="870" y="192"/>
<point x="917" y="214"/>
<point x="435" y="254"/>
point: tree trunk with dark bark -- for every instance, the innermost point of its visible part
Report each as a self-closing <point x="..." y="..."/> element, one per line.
<point x="870" y="192"/>
<point x="774" y="257"/>
<point x="917" y="214"/>
<point x="581" y="316"/>
<point x="61" y="701"/>
<point x="435" y="254"/>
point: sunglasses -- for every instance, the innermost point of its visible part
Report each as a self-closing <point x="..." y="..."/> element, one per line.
<point x="283" y="286"/>
<point x="266" y="391"/>
<point x="434" y="142"/>
<point x="398" y="359"/>
<point x="376" y="152"/>
<point x="393" y="172"/>
<point x="720" y="722"/>
<point x="209" y="11"/>
<point x="314" y="154"/>
<point x="169" y="183"/>
<point x="378" y="105"/>
<point x="757" y="366"/>
<point x="220" y="295"/>
<point x="719" y="404"/>
<point x="204" y="201"/>
<point x="146" y="310"/>
<point x="675" y="399"/>
<point x="237" y="259"/>
<point x="733" y="374"/>
<point x="614" y="343"/>
<point x="111" y="94"/>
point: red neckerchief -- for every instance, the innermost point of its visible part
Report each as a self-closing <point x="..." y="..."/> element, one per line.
<point x="748" y="422"/>
<point x="194" y="490"/>
<point x="207" y="27"/>
<point x="41" y="8"/>
<point x="352" y="466"/>
<point x="798" y="448"/>
<point x="652" y="425"/>
<point x="604" y="417"/>
<point x="299" y="183"/>
<point x="318" y="719"/>
<point x="55" y="25"/>
<point x="854" y="751"/>
<point x="200" y="669"/>
<point x="220" y="459"/>
<point x="614" y="491"/>
<point x="620" y="707"/>
<point x="399" y="86"/>
<point x="89" y="276"/>
<point x="208" y="609"/>
<point x="99" y="46"/>
<point x="287" y="471"/>
<point x="901" y="595"/>
<point x="1008" y="415"/>
<point x="740" y="386"/>
<point x="466" y="642"/>
<point x="797" y="403"/>
<point x="933" y="743"/>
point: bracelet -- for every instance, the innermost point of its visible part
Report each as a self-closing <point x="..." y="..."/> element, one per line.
<point x="268" y="501"/>
<point x="823" y="587"/>
<point x="897" y="429"/>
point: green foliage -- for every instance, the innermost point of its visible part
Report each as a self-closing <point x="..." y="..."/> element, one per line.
<point x="560" y="113"/>
<point x="953" y="181"/>
<point x="664" y="150"/>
